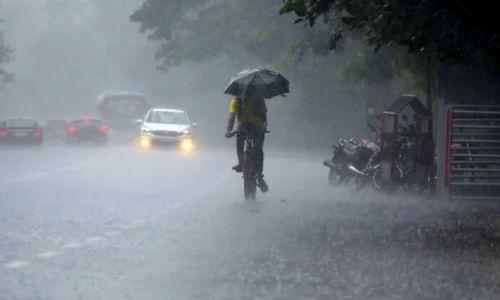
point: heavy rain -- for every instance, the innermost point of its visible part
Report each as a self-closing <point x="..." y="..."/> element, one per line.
<point x="237" y="149"/>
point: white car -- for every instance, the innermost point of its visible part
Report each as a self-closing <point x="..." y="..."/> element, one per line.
<point x="167" y="126"/>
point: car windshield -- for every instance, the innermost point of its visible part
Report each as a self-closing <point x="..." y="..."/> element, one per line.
<point x="20" y="123"/>
<point x="168" y="117"/>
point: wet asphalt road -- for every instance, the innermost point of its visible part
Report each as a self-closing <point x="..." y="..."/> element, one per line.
<point x="118" y="223"/>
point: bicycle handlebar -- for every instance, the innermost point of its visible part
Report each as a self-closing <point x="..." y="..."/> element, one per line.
<point x="235" y="132"/>
<point x="231" y="134"/>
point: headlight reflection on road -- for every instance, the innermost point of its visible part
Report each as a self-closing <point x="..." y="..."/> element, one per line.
<point x="186" y="145"/>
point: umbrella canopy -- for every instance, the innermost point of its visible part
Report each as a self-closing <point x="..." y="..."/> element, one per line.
<point x="257" y="83"/>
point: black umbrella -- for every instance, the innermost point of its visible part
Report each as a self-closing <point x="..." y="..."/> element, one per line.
<point x="257" y="83"/>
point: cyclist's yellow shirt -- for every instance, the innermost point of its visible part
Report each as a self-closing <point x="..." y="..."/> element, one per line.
<point x="249" y="111"/>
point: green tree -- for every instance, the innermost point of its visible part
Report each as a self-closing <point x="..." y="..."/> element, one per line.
<point x="199" y="30"/>
<point x="253" y="32"/>
<point x="453" y="37"/>
<point x="5" y="57"/>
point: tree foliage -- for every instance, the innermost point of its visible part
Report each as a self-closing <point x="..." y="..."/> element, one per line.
<point x="199" y="30"/>
<point x="449" y="30"/>
<point x="254" y="33"/>
<point x="458" y="37"/>
<point x="5" y="57"/>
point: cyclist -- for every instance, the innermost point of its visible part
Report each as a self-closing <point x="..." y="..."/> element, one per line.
<point x="252" y="121"/>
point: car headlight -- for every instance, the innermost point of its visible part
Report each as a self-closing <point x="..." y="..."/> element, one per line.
<point x="187" y="145"/>
<point x="146" y="129"/>
<point x="186" y="132"/>
<point x="144" y="142"/>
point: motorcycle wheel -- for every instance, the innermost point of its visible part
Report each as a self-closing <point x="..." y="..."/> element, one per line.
<point x="377" y="181"/>
<point x="334" y="178"/>
<point x="358" y="183"/>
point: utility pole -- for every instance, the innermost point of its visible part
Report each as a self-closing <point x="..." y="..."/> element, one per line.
<point x="429" y="80"/>
<point x="428" y="130"/>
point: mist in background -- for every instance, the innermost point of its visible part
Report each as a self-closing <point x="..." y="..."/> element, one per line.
<point x="67" y="52"/>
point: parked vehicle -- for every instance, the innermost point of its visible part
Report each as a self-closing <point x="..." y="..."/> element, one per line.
<point x="366" y="165"/>
<point x="338" y="165"/>
<point x="21" y="131"/>
<point x="348" y="152"/>
<point x="87" y="130"/>
<point x="403" y="170"/>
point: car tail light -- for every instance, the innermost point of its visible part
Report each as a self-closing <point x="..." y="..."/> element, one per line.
<point x="3" y="133"/>
<point x="71" y="130"/>
<point x="103" y="129"/>
<point x="37" y="132"/>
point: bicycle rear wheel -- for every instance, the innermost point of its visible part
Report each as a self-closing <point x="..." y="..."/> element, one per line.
<point x="250" y="189"/>
<point x="249" y="178"/>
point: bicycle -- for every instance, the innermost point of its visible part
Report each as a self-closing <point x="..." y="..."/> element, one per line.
<point x="249" y="166"/>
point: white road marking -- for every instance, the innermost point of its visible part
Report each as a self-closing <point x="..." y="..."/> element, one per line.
<point x="74" y="245"/>
<point x="41" y="174"/>
<point x="113" y="233"/>
<point x="139" y="222"/>
<point x="49" y="254"/>
<point x="17" y="264"/>
<point x="93" y="239"/>
<point x="125" y="227"/>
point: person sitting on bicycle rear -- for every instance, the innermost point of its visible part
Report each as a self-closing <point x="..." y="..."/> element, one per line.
<point x="252" y="121"/>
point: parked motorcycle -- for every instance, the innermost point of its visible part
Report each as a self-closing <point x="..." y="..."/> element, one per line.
<point x="407" y="174"/>
<point x="343" y="154"/>
<point x="403" y="170"/>
<point x="365" y="165"/>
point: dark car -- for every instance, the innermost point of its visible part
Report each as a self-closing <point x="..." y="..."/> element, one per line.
<point x="20" y="131"/>
<point x="87" y="130"/>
